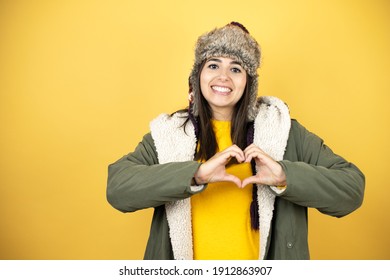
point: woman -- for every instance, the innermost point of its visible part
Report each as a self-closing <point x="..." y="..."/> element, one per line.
<point x="232" y="176"/>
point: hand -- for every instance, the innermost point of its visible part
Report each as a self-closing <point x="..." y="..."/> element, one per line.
<point x="214" y="169"/>
<point x="269" y="172"/>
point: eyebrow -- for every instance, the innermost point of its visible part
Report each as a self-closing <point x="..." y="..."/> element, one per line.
<point x="220" y="61"/>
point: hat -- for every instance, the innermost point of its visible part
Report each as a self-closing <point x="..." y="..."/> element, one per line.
<point x="232" y="41"/>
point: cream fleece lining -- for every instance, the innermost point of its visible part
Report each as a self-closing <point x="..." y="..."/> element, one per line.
<point x="271" y="130"/>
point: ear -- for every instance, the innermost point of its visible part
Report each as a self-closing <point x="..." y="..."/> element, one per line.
<point x="191" y="97"/>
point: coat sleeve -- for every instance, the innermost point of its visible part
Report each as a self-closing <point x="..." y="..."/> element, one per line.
<point x="137" y="181"/>
<point x="319" y="178"/>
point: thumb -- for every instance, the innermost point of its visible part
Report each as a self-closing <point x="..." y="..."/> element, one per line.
<point x="249" y="180"/>
<point x="233" y="179"/>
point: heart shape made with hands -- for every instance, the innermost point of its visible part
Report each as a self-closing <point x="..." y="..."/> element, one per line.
<point x="269" y="171"/>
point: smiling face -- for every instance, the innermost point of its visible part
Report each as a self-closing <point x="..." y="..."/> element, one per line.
<point x="222" y="83"/>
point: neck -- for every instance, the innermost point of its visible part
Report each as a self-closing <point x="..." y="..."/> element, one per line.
<point x="222" y="115"/>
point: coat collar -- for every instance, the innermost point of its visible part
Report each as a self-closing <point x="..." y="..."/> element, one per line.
<point x="175" y="144"/>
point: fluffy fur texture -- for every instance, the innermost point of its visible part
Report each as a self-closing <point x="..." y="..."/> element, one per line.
<point x="173" y="144"/>
<point x="272" y="127"/>
<point x="229" y="41"/>
<point x="271" y="130"/>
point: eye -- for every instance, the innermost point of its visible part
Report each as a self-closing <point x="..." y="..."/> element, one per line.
<point x="213" y="66"/>
<point x="236" y="70"/>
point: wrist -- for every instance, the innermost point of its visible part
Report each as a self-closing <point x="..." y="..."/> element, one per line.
<point x="194" y="182"/>
<point x="282" y="177"/>
<point x="282" y="183"/>
<point x="197" y="179"/>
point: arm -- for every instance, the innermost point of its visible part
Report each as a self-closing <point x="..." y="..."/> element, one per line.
<point x="316" y="177"/>
<point x="137" y="181"/>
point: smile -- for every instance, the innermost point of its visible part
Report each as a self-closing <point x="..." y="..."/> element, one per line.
<point x="223" y="90"/>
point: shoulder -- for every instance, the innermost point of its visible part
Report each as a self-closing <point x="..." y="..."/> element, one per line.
<point x="303" y="145"/>
<point x="272" y="109"/>
<point x="301" y="133"/>
<point x="271" y="106"/>
<point x="272" y="126"/>
<point x="174" y="137"/>
<point x="169" y="120"/>
<point x="272" y="113"/>
<point x="271" y="101"/>
<point x="171" y="128"/>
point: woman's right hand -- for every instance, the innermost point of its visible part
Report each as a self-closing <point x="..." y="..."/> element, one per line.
<point x="214" y="169"/>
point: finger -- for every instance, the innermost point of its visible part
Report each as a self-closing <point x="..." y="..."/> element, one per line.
<point x="234" y="153"/>
<point x="248" y="158"/>
<point x="250" y="180"/>
<point x="253" y="155"/>
<point x="258" y="154"/>
<point x="253" y="147"/>
<point x="250" y="146"/>
<point x="233" y="147"/>
<point x="237" y="150"/>
<point x="250" y="151"/>
<point x="233" y="179"/>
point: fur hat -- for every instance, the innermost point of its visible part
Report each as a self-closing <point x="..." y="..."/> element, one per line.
<point x="232" y="41"/>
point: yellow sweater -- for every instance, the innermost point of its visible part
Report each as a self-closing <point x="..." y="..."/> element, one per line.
<point x="220" y="214"/>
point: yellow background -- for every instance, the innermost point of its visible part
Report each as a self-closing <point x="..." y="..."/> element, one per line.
<point x="80" y="81"/>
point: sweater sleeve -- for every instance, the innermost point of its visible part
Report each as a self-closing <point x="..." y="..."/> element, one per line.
<point x="319" y="178"/>
<point x="137" y="181"/>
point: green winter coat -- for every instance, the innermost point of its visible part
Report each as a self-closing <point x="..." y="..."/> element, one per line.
<point x="159" y="172"/>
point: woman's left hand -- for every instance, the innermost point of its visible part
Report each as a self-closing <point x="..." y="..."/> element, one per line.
<point x="269" y="172"/>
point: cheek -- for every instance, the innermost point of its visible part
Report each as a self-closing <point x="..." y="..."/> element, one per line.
<point x="241" y="83"/>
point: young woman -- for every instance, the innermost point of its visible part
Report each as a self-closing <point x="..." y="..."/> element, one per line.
<point x="232" y="176"/>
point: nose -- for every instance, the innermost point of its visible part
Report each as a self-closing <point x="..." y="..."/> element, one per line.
<point x="224" y="74"/>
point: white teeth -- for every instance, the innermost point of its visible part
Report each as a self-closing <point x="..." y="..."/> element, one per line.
<point x="221" y="89"/>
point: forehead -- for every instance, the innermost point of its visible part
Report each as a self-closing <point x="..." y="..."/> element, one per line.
<point x="222" y="59"/>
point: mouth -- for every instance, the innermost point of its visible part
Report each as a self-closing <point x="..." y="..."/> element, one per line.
<point x="221" y="90"/>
